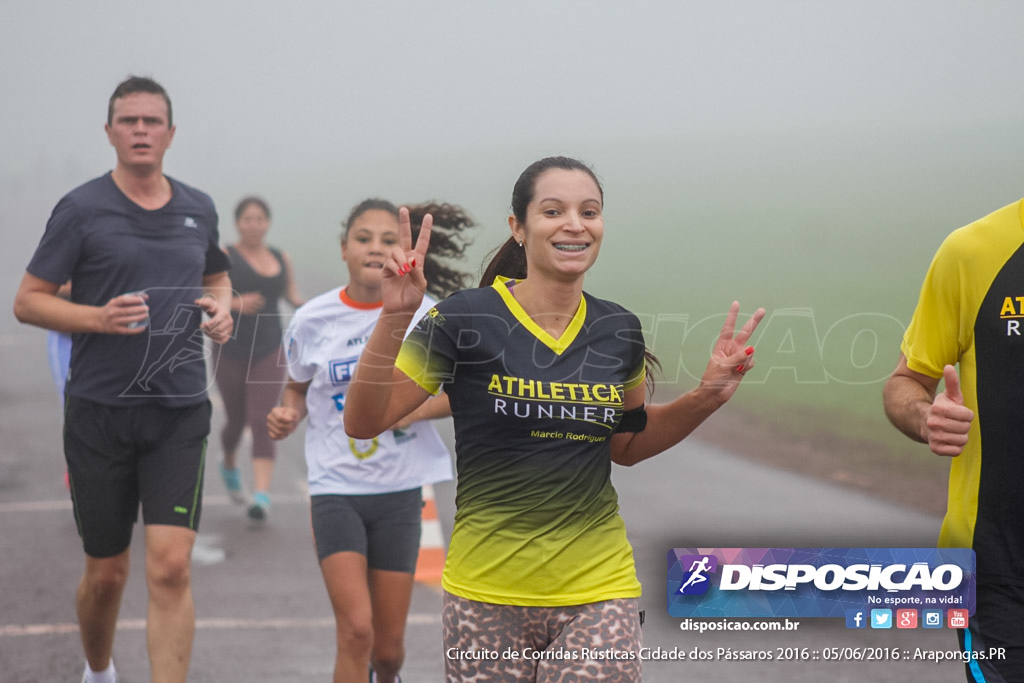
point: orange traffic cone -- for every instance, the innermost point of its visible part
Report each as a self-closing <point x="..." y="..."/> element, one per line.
<point x="430" y="563"/>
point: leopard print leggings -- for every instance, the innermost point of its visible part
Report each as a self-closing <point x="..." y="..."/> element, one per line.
<point x="485" y="643"/>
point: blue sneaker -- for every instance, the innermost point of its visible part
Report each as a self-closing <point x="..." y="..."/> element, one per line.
<point x="233" y="483"/>
<point x="260" y="508"/>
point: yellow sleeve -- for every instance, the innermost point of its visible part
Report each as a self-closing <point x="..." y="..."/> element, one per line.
<point x="937" y="334"/>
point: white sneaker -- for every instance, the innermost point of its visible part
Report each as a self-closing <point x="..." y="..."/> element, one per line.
<point x="109" y="677"/>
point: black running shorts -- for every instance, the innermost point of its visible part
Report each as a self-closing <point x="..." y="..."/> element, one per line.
<point x="120" y="457"/>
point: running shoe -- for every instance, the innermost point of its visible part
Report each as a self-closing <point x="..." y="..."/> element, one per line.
<point x="233" y="483"/>
<point x="260" y="508"/>
<point x="85" y="674"/>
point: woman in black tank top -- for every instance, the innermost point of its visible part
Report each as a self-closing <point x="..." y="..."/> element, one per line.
<point x="249" y="370"/>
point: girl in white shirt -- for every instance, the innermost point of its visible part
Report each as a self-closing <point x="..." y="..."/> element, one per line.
<point x="365" y="493"/>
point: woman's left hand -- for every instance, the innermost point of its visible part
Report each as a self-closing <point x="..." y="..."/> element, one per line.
<point x="731" y="357"/>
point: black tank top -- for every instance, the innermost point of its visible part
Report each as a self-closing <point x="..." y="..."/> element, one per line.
<point x="256" y="336"/>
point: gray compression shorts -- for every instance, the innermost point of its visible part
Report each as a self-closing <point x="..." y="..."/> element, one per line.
<point x="384" y="527"/>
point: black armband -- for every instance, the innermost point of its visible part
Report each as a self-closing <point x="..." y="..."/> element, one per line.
<point x="633" y="420"/>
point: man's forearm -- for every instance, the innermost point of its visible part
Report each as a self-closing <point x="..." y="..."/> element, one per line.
<point x="906" y="405"/>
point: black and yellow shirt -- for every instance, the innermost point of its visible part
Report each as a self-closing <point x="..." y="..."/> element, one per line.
<point x="537" y="521"/>
<point x="971" y="311"/>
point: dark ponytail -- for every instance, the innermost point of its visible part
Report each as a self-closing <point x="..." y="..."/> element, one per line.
<point x="508" y="260"/>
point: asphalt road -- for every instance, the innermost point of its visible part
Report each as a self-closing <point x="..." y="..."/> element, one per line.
<point x="263" y="613"/>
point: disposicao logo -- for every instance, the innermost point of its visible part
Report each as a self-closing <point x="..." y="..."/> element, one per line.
<point x="696" y="581"/>
<point x="817" y="582"/>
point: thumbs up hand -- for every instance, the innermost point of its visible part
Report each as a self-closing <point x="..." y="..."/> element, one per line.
<point x="948" y="420"/>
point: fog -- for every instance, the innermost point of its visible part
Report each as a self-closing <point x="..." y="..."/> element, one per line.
<point x="799" y="155"/>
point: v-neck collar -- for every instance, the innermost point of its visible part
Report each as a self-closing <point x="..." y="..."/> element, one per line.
<point x="557" y="345"/>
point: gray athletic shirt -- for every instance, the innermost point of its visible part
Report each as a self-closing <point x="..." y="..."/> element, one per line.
<point x="108" y="245"/>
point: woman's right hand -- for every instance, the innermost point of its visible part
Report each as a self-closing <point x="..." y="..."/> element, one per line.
<point x="282" y="421"/>
<point x="403" y="282"/>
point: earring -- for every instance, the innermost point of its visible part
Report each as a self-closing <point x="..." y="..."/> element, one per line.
<point x="521" y="243"/>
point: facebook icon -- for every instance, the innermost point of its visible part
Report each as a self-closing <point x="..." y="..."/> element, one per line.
<point x="856" y="618"/>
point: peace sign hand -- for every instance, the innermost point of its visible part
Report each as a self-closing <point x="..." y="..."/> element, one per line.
<point x="403" y="283"/>
<point x="731" y="358"/>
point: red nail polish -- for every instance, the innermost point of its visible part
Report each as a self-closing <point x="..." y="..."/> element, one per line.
<point x="749" y="350"/>
<point x="739" y="368"/>
<point x="413" y="263"/>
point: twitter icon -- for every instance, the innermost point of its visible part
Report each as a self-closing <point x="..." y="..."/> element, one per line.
<point x="881" y="618"/>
